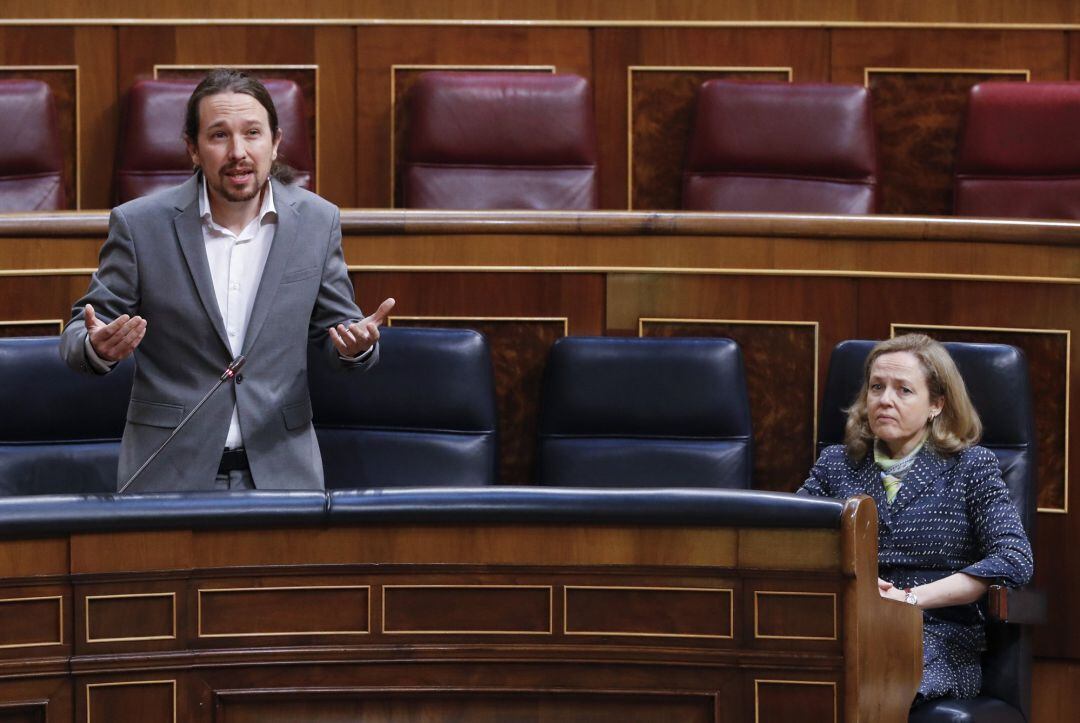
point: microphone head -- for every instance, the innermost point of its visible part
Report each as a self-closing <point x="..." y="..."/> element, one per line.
<point x="234" y="366"/>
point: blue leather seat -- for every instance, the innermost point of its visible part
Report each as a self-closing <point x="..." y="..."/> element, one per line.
<point x="423" y="416"/>
<point x="619" y="412"/>
<point x="996" y="376"/>
<point x="60" y="432"/>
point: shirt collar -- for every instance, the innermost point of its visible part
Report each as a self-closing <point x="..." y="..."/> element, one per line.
<point x="204" y="202"/>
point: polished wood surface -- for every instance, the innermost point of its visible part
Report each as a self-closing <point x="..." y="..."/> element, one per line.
<point x="452" y="621"/>
<point x="970" y="11"/>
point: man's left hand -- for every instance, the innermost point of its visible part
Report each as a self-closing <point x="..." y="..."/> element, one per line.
<point x="356" y="338"/>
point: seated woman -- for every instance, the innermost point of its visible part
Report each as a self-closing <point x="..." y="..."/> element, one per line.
<point x="947" y="528"/>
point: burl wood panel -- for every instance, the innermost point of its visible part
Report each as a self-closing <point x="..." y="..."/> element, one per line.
<point x="1073" y="40"/>
<point x="381" y="48"/>
<point x="780" y="362"/>
<point x="135" y="701"/>
<point x="918" y="116"/>
<point x="402" y="80"/>
<point x="662" y="106"/>
<point x="650" y="612"/>
<point x="30" y="618"/>
<point x="804" y="50"/>
<point x="795" y="615"/>
<point x="63" y="82"/>
<point x="478" y="609"/>
<point x="783" y="700"/>
<point x="1048" y="368"/>
<point x="138" y="616"/>
<point x="431" y="707"/>
<point x="519" y="350"/>
<point x="293" y="610"/>
<point x="305" y="78"/>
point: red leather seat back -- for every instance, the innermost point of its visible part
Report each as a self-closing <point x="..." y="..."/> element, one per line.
<point x="1019" y="153"/>
<point x="31" y="157"/>
<point x="152" y="151"/>
<point x="779" y="147"/>
<point x="500" y="140"/>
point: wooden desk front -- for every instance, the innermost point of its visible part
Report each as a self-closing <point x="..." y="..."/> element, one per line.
<point x="454" y="621"/>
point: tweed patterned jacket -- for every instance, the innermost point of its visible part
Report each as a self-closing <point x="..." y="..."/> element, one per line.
<point x="952" y="514"/>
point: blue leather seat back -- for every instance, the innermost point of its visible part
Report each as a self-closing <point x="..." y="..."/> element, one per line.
<point x="60" y="431"/>
<point x="423" y="416"/>
<point x="996" y="376"/>
<point x="619" y="412"/>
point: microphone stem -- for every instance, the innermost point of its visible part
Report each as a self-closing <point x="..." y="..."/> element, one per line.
<point x="228" y="375"/>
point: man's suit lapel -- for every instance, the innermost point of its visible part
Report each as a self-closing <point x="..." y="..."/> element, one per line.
<point x="920" y="479"/>
<point x="281" y="251"/>
<point x="188" y="227"/>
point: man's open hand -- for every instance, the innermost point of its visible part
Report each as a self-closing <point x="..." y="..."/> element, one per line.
<point x="117" y="339"/>
<point x="356" y="338"/>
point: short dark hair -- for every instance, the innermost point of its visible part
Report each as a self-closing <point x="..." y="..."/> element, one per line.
<point x="231" y="80"/>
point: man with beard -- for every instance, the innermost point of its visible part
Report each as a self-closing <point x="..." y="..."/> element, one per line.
<point x="233" y="261"/>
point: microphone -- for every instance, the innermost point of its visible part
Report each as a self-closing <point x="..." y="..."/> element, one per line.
<point x="230" y="372"/>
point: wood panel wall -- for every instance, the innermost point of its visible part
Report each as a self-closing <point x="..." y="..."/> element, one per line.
<point x="918" y="74"/>
<point x="952" y="11"/>
<point x="643" y="75"/>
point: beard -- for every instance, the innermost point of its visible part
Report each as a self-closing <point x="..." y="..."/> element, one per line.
<point x="244" y="193"/>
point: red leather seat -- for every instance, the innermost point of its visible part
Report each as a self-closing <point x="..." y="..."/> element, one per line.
<point x="152" y="151"/>
<point x="31" y="157"/>
<point x="500" y="140"/>
<point x="779" y="147"/>
<point x="1019" y="152"/>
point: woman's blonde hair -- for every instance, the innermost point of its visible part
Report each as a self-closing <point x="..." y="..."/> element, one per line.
<point x="955" y="429"/>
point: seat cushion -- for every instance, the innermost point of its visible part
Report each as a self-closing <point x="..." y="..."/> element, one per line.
<point x="969" y="710"/>
<point x="31" y="157"/>
<point x="500" y="141"/>
<point x="775" y="147"/>
<point x="1019" y="152"/>
<point x="645" y="413"/>
<point x="423" y="416"/>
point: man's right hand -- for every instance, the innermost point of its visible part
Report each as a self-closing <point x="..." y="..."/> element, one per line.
<point x="116" y="340"/>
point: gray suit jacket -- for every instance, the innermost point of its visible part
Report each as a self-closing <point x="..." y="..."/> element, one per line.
<point x="154" y="264"/>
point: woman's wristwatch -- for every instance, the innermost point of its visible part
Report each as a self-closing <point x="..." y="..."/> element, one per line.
<point x="910" y="597"/>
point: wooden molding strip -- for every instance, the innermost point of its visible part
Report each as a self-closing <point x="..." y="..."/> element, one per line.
<point x="626" y="223"/>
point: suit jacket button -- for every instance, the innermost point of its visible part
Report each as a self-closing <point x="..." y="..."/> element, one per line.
<point x="239" y="378"/>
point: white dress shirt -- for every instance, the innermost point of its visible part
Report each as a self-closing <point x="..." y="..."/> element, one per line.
<point x="236" y="266"/>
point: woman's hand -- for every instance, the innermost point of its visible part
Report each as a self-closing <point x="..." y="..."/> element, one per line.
<point x="887" y="589"/>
